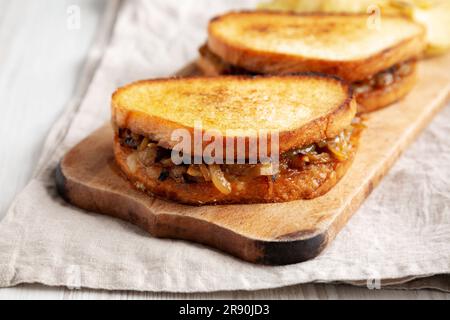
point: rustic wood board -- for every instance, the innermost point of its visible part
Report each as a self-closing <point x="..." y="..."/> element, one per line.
<point x="273" y="234"/>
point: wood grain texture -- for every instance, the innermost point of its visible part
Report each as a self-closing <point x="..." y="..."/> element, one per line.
<point x="273" y="234"/>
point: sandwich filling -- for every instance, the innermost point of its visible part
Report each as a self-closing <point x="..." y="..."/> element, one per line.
<point x="144" y="153"/>
<point x="379" y="81"/>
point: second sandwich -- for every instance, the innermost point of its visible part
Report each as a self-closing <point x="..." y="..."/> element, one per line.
<point x="377" y="57"/>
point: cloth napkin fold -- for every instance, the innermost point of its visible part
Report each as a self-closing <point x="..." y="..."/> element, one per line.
<point x="401" y="236"/>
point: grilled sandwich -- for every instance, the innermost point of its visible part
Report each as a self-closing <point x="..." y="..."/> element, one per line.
<point x="306" y="124"/>
<point x="378" y="59"/>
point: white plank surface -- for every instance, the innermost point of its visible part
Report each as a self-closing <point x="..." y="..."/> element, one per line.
<point x="40" y="61"/>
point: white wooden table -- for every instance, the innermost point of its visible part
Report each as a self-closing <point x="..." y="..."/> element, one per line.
<point x="40" y="61"/>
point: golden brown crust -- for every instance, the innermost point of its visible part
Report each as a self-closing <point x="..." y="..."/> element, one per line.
<point x="380" y="98"/>
<point x="367" y="102"/>
<point x="278" y="63"/>
<point x="307" y="184"/>
<point x="160" y="129"/>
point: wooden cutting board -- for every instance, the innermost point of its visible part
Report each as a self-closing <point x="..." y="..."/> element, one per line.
<point x="273" y="234"/>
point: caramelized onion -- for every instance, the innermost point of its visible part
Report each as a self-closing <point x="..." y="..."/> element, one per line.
<point x="177" y="172"/>
<point x="154" y="172"/>
<point x="194" y="171"/>
<point x="319" y="158"/>
<point x="339" y="147"/>
<point x="199" y="171"/>
<point x="132" y="162"/>
<point x="205" y="172"/>
<point x="157" y="163"/>
<point x="167" y="163"/>
<point x="143" y="144"/>
<point x="219" y="180"/>
<point x="147" y="155"/>
<point x="267" y="169"/>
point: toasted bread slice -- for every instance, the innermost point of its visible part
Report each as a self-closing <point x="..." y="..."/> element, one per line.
<point x="345" y="45"/>
<point x="301" y="109"/>
<point x="372" y="100"/>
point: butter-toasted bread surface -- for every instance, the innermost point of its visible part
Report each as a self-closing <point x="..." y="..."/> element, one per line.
<point x="369" y="100"/>
<point x="346" y="45"/>
<point x="301" y="109"/>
